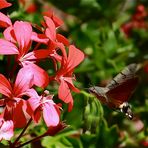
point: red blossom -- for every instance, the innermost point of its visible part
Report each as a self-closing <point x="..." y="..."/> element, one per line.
<point x="65" y="74"/>
<point x="144" y="143"/>
<point x="140" y="13"/>
<point x="50" y="26"/>
<point x="46" y="105"/>
<point x="18" y="42"/>
<point x="53" y="40"/>
<point x="13" y="102"/>
<point x="137" y="21"/>
<point x="57" y="21"/>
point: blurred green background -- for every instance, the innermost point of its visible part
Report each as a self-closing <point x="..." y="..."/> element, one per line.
<point x="95" y="26"/>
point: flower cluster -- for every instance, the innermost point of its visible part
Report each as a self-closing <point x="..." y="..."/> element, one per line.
<point x="137" y="21"/>
<point x="27" y="47"/>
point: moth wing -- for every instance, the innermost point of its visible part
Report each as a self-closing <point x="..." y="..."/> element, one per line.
<point x="123" y="91"/>
<point x="119" y="89"/>
<point x="99" y="92"/>
<point x="126" y="74"/>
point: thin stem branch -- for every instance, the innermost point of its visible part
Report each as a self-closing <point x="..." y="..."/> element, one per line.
<point x="32" y="140"/>
<point x="17" y="139"/>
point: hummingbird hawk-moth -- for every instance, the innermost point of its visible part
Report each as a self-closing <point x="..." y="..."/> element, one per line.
<point x="118" y="91"/>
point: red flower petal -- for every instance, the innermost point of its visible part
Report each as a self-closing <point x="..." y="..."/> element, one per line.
<point x="41" y="38"/>
<point x="7" y="47"/>
<point x="5" y="87"/>
<point x="70" y="83"/>
<point x="9" y="34"/>
<point x="37" y="115"/>
<point x="34" y="103"/>
<point x="40" y="77"/>
<point x="6" y="130"/>
<point x="50" y="34"/>
<point x="23" y="32"/>
<point x="23" y="81"/>
<point x="62" y="39"/>
<point x="50" y="114"/>
<point x="65" y="94"/>
<point x="75" y="57"/>
<point x="57" y="21"/>
<point x="51" y="30"/>
<point x="36" y="54"/>
<point x="63" y="50"/>
<point x="4" y="21"/>
<point x="34" y="100"/>
<point x="19" y="114"/>
<point x="4" y="4"/>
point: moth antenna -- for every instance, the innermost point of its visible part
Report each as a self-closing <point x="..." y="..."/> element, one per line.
<point x="85" y="88"/>
<point x="91" y="84"/>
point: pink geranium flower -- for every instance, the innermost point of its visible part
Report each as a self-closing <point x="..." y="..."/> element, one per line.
<point x="18" y="42"/>
<point x="15" y="106"/>
<point x="65" y="74"/>
<point x="6" y="129"/>
<point x="45" y="105"/>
